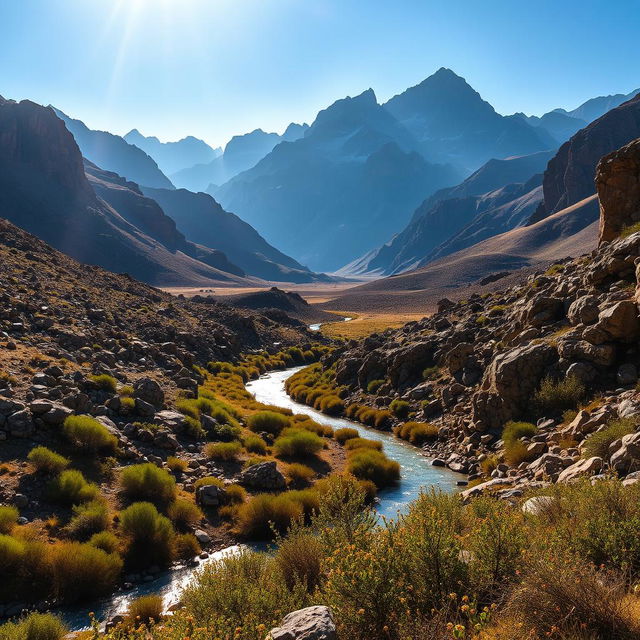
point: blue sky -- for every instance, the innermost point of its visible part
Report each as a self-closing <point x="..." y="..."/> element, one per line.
<point x="213" y="68"/>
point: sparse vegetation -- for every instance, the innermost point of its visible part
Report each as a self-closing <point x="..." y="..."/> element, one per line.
<point x="105" y="382"/>
<point x="400" y="408"/>
<point x="227" y="451"/>
<point x="598" y="443"/>
<point x="148" y="482"/>
<point x="89" y="434"/>
<point x="47" y="461"/>
<point x="555" y="396"/>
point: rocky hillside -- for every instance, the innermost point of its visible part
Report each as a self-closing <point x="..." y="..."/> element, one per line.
<point x="535" y="382"/>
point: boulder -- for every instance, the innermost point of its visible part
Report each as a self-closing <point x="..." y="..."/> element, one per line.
<point x="537" y="505"/>
<point x="627" y="374"/>
<point x="603" y="354"/>
<point x="509" y="382"/>
<point x="20" y="424"/>
<point x="587" y="467"/>
<point x="542" y="310"/>
<point x="149" y="391"/>
<point x="584" y="310"/>
<point x="311" y="623"/>
<point x="627" y="456"/>
<point x="210" y="495"/>
<point x="171" y="419"/>
<point x="456" y="358"/>
<point x="620" y="321"/>
<point x="264" y="475"/>
<point x="56" y="414"/>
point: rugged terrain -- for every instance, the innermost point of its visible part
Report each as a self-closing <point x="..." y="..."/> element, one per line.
<point x="557" y="351"/>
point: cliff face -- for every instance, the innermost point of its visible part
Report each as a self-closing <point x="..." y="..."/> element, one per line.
<point x="570" y="174"/>
<point x="34" y="140"/>
<point x="618" y="184"/>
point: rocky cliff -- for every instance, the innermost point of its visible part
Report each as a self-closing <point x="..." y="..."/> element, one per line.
<point x="618" y="183"/>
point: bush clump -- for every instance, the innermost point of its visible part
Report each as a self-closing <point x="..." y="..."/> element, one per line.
<point x="145" y="609"/>
<point x="8" y="518"/>
<point x="88" y="518"/>
<point x="47" y="461"/>
<point x="297" y="443"/>
<point x="346" y="433"/>
<point x="106" y="541"/>
<point x="35" y="626"/>
<point x="268" y="421"/>
<point x="150" y="534"/>
<point x="185" y="546"/>
<point x="148" y="482"/>
<point x="227" y="451"/>
<point x="553" y="397"/>
<point x="369" y="464"/>
<point x="515" y="450"/>
<point x="70" y="487"/>
<point x="374" y="385"/>
<point x="363" y="443"/>
<point x="400" y="408"/>
<point x="82" y="571"/>
<point x="89" y="434"/>
<point x="597" y="444"/>
<point x="417" y="432"/>
<point x="184" y="513"/>
<point x="177" y="465"/>
<point x="255" y="444"/>
<point x="299" y="473"/>
<point x="105" y="382"/>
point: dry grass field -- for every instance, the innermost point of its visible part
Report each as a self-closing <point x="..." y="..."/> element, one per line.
<point x="364" y="324"/>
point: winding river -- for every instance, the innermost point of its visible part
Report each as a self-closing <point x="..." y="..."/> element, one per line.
<point x="416" y="473"/>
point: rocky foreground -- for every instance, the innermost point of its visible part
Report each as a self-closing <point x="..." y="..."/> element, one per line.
<point x="559" y="350"/>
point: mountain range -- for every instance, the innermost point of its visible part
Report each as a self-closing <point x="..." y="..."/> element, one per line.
<point x="241" y="153"/>
<point x="174" y="156"/>
<point x="99" y="217"/>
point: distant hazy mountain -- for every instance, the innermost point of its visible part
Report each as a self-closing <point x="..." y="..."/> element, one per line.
<point x="499" y="196"/>
<point x="569" y="177"/>
<point x="103" y="220"/>
<point x="174" y="156"/>
<point x="241" y="153"/>
<point x="452" y="123"/>
<point x="562" y="124"/>
<point x="346" y="186"/>
<point x="203" y="220"/>
<point x="114" y="153"/>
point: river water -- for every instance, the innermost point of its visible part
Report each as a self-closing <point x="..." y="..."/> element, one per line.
<point x="416" y="473"/>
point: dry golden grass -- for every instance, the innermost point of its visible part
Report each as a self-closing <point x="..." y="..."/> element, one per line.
<point x="365" y="324"/>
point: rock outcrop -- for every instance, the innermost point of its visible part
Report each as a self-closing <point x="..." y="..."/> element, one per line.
<point x="618" y="184"/>
<point x="312" y="623"/>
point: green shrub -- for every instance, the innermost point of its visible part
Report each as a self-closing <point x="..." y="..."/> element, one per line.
<point x="177" y="465"/>
<point x="105" y="382"/>
<point x="344" y="434"/>
<point x="299" y="473"/>
<point x="268" y="421"/>
<point x="297" y="443"/>
<point x="127" y="405"/>
<point x="374" y="385"/>
<point x="145" y="609"/>
<point x="256" y="517"/>
<point x="126" y="390"/>
<point x="88" y="518"/>
<point x="417" y="432"/>
<point x="235" y="494"/>
<point x="597" y="444"/>
<point x="304" y="422"/>
<point x="184" y="513"/>
<point x="106" y="541"/>
<point x="47" y="461"/>
<point x="87" y="433"/>
<point x="82" y="571"/>
<point x="70" y="487"/>
<point x="35" y="626"/>
<point x="8" y="518"/>
<point x="515" y="451"/>
<point x="255" y="444"/>
<point x="368" y="464"/>
<point x="201" y="482"/>
<point x="299" y="558"/>
<point x="148" y="482"/>
<point x="400" y="408"/>
<point x="553" y="397"/>
<point x="150" y="534"/>
<point x="330" y="404"/>
<point x="362" y="443"/>
<point x="227" y="451"/>
<point x="185" y="546"/>
<point x="431" y="373"/>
